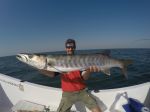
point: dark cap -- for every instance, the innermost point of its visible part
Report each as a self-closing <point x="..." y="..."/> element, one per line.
<point x="71" y="43"/>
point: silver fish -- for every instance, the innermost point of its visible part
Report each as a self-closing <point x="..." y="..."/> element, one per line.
<point x="66" y="63"/>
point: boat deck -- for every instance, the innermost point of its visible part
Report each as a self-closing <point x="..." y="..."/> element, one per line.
<point x="27" y="106"/>
<point x="17" y="96"/>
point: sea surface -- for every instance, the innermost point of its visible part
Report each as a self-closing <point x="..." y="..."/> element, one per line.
<point x="138" y="72"/>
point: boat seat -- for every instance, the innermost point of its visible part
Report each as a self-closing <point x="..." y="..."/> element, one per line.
<point x="27" y="106"/>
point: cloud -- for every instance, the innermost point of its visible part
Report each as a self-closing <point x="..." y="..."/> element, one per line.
<point x="140" y="43"/>
<point x="146" y="39"/>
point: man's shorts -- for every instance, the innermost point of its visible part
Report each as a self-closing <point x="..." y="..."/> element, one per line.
<point x="69" y="98"/>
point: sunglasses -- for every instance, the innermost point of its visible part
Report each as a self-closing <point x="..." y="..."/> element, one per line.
<point x="70" y="47"/>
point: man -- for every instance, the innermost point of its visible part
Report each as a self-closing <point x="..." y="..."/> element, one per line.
<point x="73" y="85"/>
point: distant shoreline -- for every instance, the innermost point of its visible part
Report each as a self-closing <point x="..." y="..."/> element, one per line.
<point x="79" y="50"/>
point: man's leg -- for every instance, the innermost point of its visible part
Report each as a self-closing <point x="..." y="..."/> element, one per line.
<point x="66" y="102"/>
<point x="89" y="101"/>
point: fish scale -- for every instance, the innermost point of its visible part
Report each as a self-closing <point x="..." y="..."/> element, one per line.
<point x="65" y="63"/>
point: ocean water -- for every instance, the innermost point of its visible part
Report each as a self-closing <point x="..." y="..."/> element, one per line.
<point x="138" y="72"/>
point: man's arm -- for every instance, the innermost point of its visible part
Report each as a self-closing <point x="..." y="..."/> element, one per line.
<point x="47" y="73"/>
<point x="86" y="74"/>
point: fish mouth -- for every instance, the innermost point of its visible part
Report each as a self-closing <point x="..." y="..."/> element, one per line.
<point x="22" y="57"/>
<point x="19" y="56"/>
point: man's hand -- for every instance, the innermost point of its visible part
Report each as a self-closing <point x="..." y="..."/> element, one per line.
<point x="93" y="69"/>
<point x="86" y="74"/>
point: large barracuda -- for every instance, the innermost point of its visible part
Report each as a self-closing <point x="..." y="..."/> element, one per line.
<point x="66" y="63"/>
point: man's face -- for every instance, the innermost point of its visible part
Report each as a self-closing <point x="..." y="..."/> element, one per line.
<point x="70" y="48"/>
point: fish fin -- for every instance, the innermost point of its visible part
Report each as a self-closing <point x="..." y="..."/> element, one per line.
<point x="59" y="71"/>
<point x="124" y="72"/>
<point x="105" y="52"/>
<point x="125" y="62"/>
<point x="106" y="71"/>
<point x="83" y="69"/>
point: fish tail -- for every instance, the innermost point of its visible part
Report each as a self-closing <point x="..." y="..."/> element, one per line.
<point x="125" y="63"/>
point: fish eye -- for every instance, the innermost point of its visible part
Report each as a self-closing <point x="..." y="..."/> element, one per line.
<point x="50" y="64"/>
<point x="30" y="56"/>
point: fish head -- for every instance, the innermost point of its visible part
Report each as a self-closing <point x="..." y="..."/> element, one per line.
<point x="37" y="61"/>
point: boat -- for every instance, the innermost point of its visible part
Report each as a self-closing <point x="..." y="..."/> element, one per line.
<point x="17" y="95"/>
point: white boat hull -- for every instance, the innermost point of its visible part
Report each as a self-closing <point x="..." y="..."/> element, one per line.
<point x="111" y="100"/>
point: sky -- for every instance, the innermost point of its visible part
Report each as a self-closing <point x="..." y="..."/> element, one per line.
<point x="44" y="25"/>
